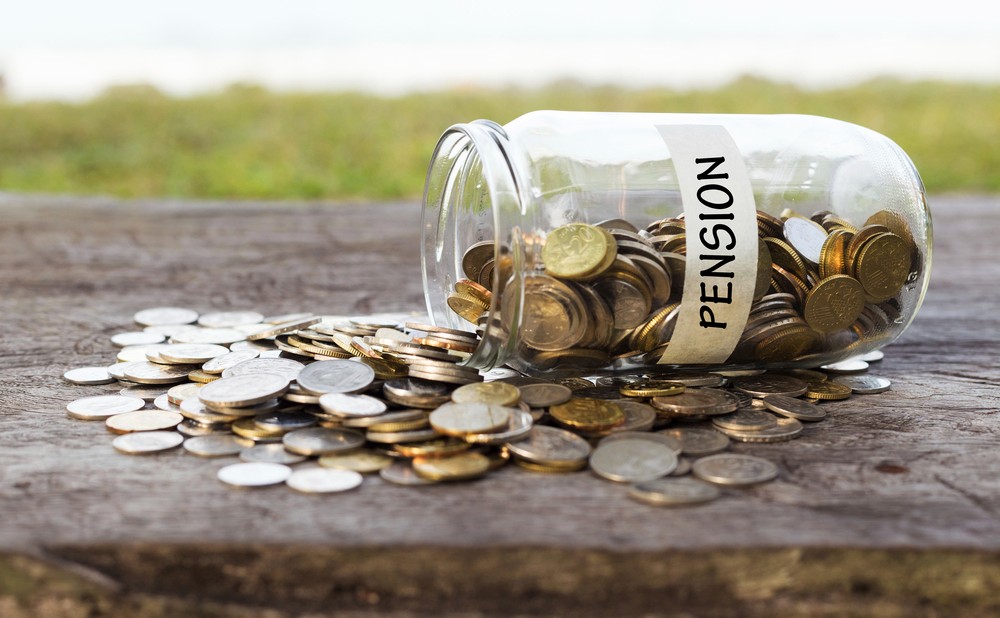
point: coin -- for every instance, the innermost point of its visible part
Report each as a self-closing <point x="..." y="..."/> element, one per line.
<point x="270" y="453"/>
<point x="638" y="416"/>
<point x="828" y="390"/>
<point x="498" y="393"/>
<point x="545" y="395"/>
<point x="336" y="376"/>
<point x="243" y="390"/>
<point x="794" y="408"/>
<point x="143" y="420"/>
<point x="834" y="304"/>
<point x="673" y="492"/>
<point x="853" y="365"/>
<point x="220" y="336"/>
<point x="460" y="467"/>
<point x="734" y="470"/>
<point x="458" y="419"/>
<point x="191" y="353"/>
<point x="697" y="442"/>
<point x="287" y="367"/>
<point x="746" y="419"/>
<point x="143" y="442"/>
<point x="351" y="406"/>
<point x="362" y="460"/>
<point x="284" y="327"/>
<point x="630" y="460"/>
<point x="785" y="429"/>
<point x="179" y="393"/>
<point x="865" y="384"/>
<point x="284" y="421"/>
<point x="402" y="473"/>
<point x="101" y="407"/>
<point x="89" y="375"/>
<point x="697" y="402"/>
<point x="551" y="446"/>
<point x="136" y="338"/>
<point x="220" y="363"/>
<point x="254" y="474"/>
<point x="770" y="384"/>
<point x="322" y="441"/>
<point x="143" y="391"/>
<point x="588" y="414"/>
<point x="323" y="480"/>
<point x="519" y="425"/>
<point x="213" y="446"/>
<point x="576" y="250"/>
<point x="806" y="237"/>
<point x="158" y="316"/>
<point x="652" y="388"/>
<point x="151" y="373"/>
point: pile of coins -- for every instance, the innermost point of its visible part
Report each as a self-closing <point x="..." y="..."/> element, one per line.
<point x="612" y="292"/>
<point x="318" y="403"/>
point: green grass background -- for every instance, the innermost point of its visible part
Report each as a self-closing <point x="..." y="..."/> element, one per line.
<point x="246" y="142"/>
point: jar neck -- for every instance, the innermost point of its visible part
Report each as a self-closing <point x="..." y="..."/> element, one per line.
<point x="472" y="194"/>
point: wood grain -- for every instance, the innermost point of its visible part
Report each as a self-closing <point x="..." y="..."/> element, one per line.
<point x="891" y="492"/>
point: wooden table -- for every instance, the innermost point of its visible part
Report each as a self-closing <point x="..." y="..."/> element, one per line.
<point x="889" y="507"/>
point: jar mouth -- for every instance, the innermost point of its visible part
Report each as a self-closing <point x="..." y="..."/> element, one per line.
<point x="470" y="196"/>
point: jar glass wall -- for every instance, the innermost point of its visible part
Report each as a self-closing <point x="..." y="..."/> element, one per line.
<point x="611" y="241"/>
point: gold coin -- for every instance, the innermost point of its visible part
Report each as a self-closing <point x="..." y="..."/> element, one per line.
<point x="834" y="304"/>
<point x="828" y="391"/>
<point x="364" y="461"/>
<point x="554" y="316"/>
<point x="498" y="393"/>
<point x="247" y="428"/>
<point x="883" y="265"/>
<point x="439" y="447"/>
<point x="202" y="377"/>
<point x="576" y="251"/>
<point x="588" y="414"/>
<point x="468" y="307"/>
<point x="537" y="467"/>
<point x="461" y="467"/>
<point x="652" y="388"/>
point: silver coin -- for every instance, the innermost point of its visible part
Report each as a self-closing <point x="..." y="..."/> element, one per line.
<point x="629" y="460"/>
<point x="180" y="392"/>
<point x="270" y="453"/>
<point x="157" y="316"/>
<point x="518" y="427"/>
<point x="351" y="406"/>
<point x="806" y="236"/>
<point x="151" y="373"/>
<point x="865" y="384"/>
<point x="746" y="419"/>
<point x="659" y="438"/>
<point x="117" y="371"/>
<point x="323" y="480"/>
<point x="336" y="376"/>
<point x="500" y="373"/>
<point x="250" y="410"/>
<point x="163" y="403"/>
<point x="89" y="375"/>
<point x="696" y="442"/>
<point x="228" y="319"/>
<point x="137" y="353"/>
<point x="102" y="407"/>
<point x="851" y="365"/>
<point x="192" y="408"/>
<point x="191" y="353"/>
<point x="259" y="346"/>
<point x="873" y="357"/>
<point x="168" y="330"/>
<point x="226" y="360"/>
<point x="683" y="467"/>
<point x="402" y="473"/>
<point x="734" y="470"/>
<point x="786" y="429"/>
<point x="287" y="317"/>
<point x="401" y="437"/>
<point x="243" y="390"/>
<point x="192" y="428"/>
<point x="136" y="338"/>
<point x="284" y="327"/>
<point x="794" y="408"/>
<point x="545" y="395"/>
<point x="673" y="492"/>
<point x="770" y="384"/>
<point x="254" y="474"/>
<point x="142" y="442"/>
<point x="398" y="416"/>
<point x="296" y="394"/>
<point x="281" y="366"/>
<point x="219" y="336"/>
<point x="284" y="421"/>
<point x="638" y="417"/>
<point x="551" y="445"/>
<point x="213" y="446"/>
<point x="321" y="441"/>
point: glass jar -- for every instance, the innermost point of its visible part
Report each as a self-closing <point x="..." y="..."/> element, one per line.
<point x="621" y="241"/>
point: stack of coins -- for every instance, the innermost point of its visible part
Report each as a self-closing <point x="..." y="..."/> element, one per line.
<point x="401" y="405"/>
<point x="611" y="292"/>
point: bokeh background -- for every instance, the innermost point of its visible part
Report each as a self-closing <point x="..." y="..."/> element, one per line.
<point x="310" y="99"/>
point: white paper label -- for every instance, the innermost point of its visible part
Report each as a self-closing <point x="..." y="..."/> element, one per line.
<point x="721" y="228"/>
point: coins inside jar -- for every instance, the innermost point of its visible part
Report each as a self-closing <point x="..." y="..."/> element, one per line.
<point x="605" y="293"/>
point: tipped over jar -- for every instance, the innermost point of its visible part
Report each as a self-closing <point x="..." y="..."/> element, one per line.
<point x="578" y="241"/>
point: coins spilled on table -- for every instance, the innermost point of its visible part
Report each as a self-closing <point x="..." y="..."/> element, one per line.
<point x="349" y="399"/>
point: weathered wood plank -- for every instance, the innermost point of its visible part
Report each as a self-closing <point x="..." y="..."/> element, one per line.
<point x="913" y="472"/>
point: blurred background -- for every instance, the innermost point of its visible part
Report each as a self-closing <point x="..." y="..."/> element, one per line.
<point x="310" y="99"/>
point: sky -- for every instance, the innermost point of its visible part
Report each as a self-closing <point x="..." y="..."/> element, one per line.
<point x="72" y="50"/>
